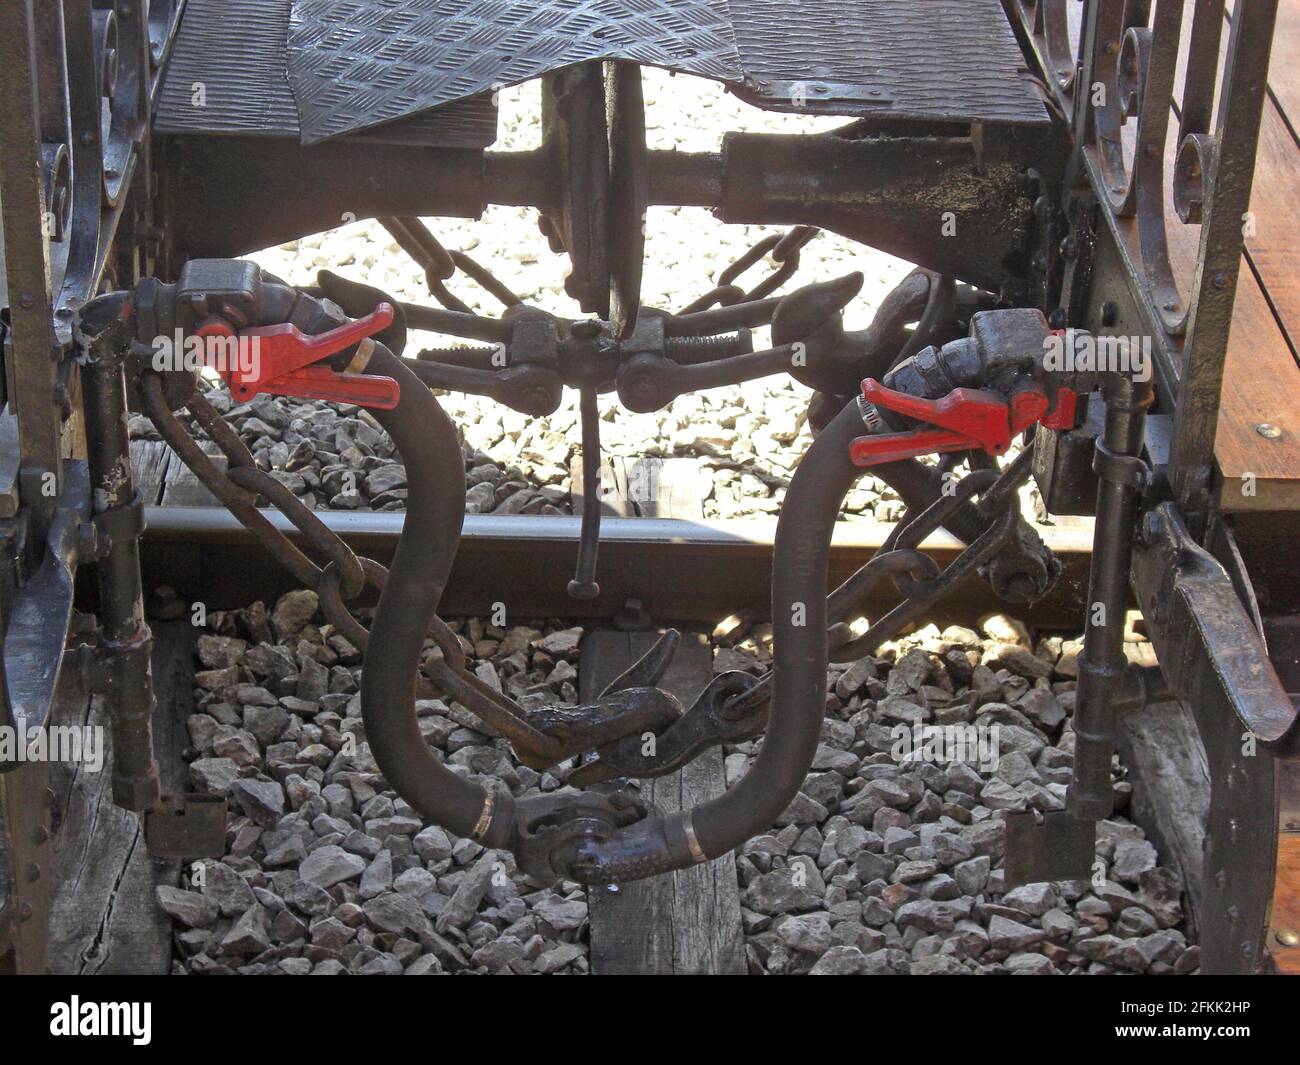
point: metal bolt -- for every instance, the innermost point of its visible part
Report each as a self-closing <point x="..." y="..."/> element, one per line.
<point x="26" y="301"/>
<point x="33" y="873"/>
<point x="1220" y="280"/>
<point x="1288" y="937"/>
<point x="1172" y="305"/>
<point x="1268" y="430"/>
<point x="40" y="835"/>
<point x="1151" y="524"/>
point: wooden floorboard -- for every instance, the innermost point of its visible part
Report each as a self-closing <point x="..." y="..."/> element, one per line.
<point x="1260" y="373"/>
<point x="686" y="922"/>
<point x="103" y="917"/>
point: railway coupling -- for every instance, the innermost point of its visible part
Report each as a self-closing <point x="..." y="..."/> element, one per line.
<point x="920" y="392"/>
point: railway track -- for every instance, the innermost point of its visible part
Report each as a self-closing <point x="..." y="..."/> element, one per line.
<point x="693" y="574"/>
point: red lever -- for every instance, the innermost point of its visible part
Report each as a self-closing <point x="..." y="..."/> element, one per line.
<point x="966" y="419"/>
<point x="282" y="357"/>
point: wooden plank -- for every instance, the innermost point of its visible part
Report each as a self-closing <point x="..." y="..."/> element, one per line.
<point x="1284" y="70"/>
<point x="103" y="915"/>
<point x="1271" y="242"/>
<point x="1162" y="750"/>
<point x="1259" y="379"/>
<point x="666" y="488"/>
<point x="1284" y="925"/>
<point x="149" y="461"/>
<point x="688" y="921"/>
<point x="614" y="502"/>
<point x="182" y="489"/>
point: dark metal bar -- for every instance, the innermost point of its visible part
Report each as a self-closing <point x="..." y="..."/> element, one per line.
<point x="1102" y="663"/>
<point x="32" y="370"/>
<point x="583" y="585"/>
<point x="124" y="641"/>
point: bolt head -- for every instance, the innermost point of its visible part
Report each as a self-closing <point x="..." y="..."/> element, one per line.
<point x="1288" y="937"/>
<point x="1150" y="527"/>
<point x="1268" y="430"/>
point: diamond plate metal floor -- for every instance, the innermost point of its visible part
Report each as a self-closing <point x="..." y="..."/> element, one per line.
<point x="421" y="71"/>
<point x="353" y="63"/>
<point x="228" y="74"/>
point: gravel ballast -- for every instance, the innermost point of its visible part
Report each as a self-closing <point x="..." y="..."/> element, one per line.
<point x="881" y="865"/>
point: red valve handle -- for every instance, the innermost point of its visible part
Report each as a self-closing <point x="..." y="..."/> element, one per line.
<point x="966" y="419"/>
<point x="282" y="362"/>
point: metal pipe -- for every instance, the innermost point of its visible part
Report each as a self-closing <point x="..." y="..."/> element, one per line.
<point x="1102" y="665"/>
<point x="426" y="441"/>
<point x="124" y="640"/>
<point x="803" y="540"/>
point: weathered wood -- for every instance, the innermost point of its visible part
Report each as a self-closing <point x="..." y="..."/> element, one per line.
<point x="149" y="461"/>
<point x="104" y="918"/>
<point x="614" y="501"/>
<point x="183" y="489"/>
<point x="1285" y="923"/>
<point x="1161" y="747"/>
<point x="682" y="922"/>
<point x="666" y="488"/>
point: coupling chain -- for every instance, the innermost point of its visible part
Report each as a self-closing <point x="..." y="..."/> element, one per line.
<point x="784" y="249"/>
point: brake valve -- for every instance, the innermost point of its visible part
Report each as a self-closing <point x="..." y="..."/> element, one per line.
<point x="286" y="361"/>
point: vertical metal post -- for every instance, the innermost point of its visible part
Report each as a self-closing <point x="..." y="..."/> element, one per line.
<point x="32" y="369"/>
<point x="583" y="585"/>
<point x="1121" y="475"/>
<point x="125" y="642"/>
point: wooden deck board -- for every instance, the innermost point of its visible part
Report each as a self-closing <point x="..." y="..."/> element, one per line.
<point x="1260" y="374"/>
<point x="688" y="921"/>
<point x="103" y="917"/>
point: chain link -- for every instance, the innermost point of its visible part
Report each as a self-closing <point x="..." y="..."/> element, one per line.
<point x="783" y="248"/>
<point x="343" y="577"/>
<point x="440" y="265"/>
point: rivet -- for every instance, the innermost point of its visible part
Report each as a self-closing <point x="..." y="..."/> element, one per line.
<point x="1288" y="937"/>
<point x="1268" y="430"/>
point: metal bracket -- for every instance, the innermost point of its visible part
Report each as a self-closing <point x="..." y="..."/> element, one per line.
<point x="813" y="94"/>
<point x="1047" y="847"/>
<point x="187" y="826"/>
<point x="1127" y="470"/>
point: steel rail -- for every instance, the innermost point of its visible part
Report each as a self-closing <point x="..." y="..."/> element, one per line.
<point x="679" y="570"/>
